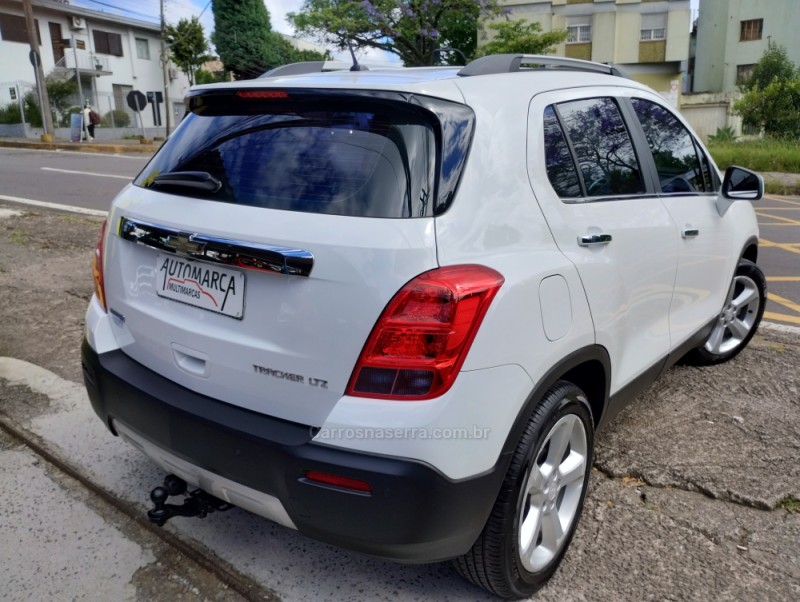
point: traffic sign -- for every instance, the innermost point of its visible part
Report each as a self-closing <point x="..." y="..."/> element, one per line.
<point x="136" y="100"/>
<point x="33" y="56"/>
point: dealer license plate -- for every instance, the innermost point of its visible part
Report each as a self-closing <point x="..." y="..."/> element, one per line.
<point x="203" y="285"/>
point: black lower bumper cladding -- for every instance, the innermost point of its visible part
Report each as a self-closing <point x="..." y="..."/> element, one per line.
<point x="413" y="513"/>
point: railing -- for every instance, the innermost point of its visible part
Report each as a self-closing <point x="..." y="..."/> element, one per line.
<point x="86" y="60"/>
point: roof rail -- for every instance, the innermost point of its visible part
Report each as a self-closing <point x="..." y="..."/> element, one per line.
<point x="508" y="63"/>
<point x="306" y="67"/>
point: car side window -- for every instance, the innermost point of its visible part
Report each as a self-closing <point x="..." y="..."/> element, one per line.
<point x="680" y="168"/>
<point x="602" y="146"/>
<point x="560" y="167"/>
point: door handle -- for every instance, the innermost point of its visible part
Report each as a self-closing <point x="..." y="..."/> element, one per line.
<point x="592" y="240"/>
<point x="690" y="233"/>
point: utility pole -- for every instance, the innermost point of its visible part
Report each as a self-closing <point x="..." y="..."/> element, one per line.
<point x="36" y="59"/>
<point x="164" y="67"/>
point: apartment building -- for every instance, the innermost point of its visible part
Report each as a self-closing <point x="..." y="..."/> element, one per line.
<point x="109" y="55"/>
<point x="649" y="38"/>
<point x="732" y="36"/>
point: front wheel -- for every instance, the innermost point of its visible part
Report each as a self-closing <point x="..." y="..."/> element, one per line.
<point x="739" y="318"/>
<point x="537" y="510"/>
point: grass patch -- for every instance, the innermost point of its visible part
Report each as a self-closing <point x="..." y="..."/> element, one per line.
<point x="759" y="155"/>
<point x="790" y="504"/>
<point x="774" y="187"/>
<point x="19" y="237"/>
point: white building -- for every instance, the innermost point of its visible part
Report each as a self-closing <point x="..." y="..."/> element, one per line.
<point x="111" y="54"/>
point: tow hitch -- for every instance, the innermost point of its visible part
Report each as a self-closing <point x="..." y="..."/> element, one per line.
<point x="197" y="503"/>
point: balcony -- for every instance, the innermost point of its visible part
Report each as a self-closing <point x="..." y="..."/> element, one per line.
<point x="87" y="64"/>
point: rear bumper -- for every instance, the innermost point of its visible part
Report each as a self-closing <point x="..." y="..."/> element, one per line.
<point x="414" y="513"/>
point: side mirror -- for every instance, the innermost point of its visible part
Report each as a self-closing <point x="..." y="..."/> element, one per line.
<point x="741" y="184"/>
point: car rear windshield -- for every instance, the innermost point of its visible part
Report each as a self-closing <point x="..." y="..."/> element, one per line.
<point x="355" y="157"/>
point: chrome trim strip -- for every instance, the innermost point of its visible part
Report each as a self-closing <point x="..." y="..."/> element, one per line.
<point x="252" y="256"/>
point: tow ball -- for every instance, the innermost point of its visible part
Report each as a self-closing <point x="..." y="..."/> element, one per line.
<point x="197" y="503"/>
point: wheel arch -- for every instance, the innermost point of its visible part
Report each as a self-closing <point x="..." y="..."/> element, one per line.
<point x="750" y="250"/>
<point x="588" y="368"/>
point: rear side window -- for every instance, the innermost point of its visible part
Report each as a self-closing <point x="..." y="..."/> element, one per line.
<point x="560" y="168"/>
<point x="602" y="147"/>
<point x="674" y="150"/>
<point x="354" y="159"/>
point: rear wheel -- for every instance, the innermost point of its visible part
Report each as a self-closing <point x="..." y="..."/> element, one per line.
<point x="739" y="318"/>
<point x="537" y="510"/>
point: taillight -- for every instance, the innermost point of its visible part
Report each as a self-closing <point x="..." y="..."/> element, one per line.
<point x="421" y="339"/>
<point x="97" y="269"/>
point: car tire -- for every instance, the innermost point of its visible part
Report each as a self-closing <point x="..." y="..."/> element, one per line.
<point x="739" y="319"/>
<point x="539" y="504"/>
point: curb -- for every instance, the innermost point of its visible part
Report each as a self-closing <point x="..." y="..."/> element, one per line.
<point x="81" y="147"/>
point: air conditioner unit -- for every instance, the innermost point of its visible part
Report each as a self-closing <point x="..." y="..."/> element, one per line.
<point x="173" y="73"/>
<point x="77" y="22"/>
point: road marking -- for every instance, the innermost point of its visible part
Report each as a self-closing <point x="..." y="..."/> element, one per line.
<point x="98" y="175"/>
<point x="782" y="317"/>
<point x="70" y="208"/>
<point x="783" y="200"/>
<point x="776" y="224"/>
<point x="783" y="278"/>
<point x="786" y="220"/>
<point x="783" y="301"/>
<point x="785" y="246"/>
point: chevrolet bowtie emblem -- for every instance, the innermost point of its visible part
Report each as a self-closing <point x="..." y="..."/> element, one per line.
<point x="184" y="245"/>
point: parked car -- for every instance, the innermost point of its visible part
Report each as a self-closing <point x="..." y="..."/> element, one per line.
<point x="391" y="308"/>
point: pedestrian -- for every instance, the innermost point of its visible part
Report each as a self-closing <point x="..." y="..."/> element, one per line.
<point x="88" y="125"/>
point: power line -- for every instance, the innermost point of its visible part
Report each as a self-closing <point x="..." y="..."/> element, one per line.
<point x="124" y="10"/>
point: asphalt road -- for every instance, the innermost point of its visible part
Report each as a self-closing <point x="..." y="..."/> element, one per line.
<point x="779" y="256"/>
<point x="68" y="178"/>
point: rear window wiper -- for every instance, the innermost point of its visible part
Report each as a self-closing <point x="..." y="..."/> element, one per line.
<point x="194" y="180"/>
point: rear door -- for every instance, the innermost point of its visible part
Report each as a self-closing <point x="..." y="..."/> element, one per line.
<point x="606" y="219"/>
<point x="252" y="257"/>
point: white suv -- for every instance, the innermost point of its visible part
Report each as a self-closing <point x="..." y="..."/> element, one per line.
<point x="391" y="308"/>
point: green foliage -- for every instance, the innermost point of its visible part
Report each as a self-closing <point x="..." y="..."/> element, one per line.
<point x="769" y="154"/>
<point x="61" y="93"/>
<point x="188" y="46"/>
<point x="774" y="64"/>
<point x="10" y="113"/>
<point x="726" y="134"/>
<point x="244" y="38"/>
<point x="208" y="77"/>
<point x="33" y="115"/>
<point x="522" y="37"/>
<point x="772" y="96"/>
<point x="411" y="29"/>
<point x="116" y="118"/>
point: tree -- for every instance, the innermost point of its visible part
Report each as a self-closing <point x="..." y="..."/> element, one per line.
<point x="187" y="42"/>
<point x="772" y="96"/>
<point x="774" y="63"/>
<point x="62" y="93"/>
<point x="244" y="38"/>
<point x="411" y="29"/>
<point x="522" y="37"/>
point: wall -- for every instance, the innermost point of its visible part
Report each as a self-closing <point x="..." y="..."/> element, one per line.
<point x="707" y="113"/>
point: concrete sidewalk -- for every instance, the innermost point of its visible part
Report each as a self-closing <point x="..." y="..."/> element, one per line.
<point x="97" y="146"/>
